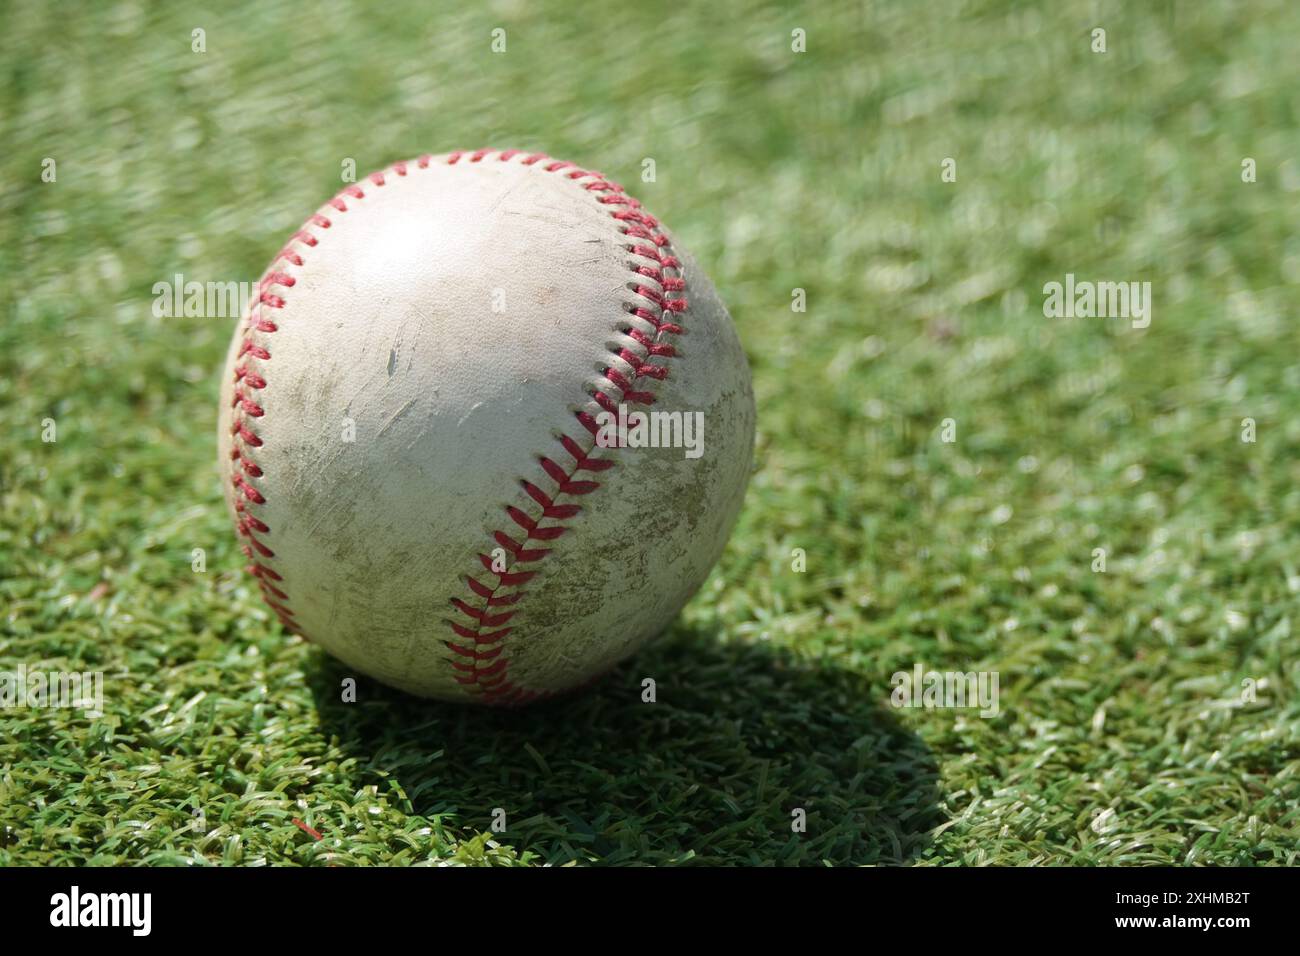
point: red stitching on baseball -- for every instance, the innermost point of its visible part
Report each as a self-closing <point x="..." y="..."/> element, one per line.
<point x="247" y="525"/>
<point x="492" y="680"/>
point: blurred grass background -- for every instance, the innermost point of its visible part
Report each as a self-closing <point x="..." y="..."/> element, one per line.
<point x="1124" y="735"/>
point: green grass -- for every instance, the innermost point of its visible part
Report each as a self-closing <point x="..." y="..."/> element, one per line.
<point x="1123" y="736"/>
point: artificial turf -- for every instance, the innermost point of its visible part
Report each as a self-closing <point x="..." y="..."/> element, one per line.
<point x="1148" y="712"/>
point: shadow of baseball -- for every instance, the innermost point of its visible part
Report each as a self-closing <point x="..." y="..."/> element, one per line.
<point x="749" y="755"/>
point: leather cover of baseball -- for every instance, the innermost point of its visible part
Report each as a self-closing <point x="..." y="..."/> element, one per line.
<point x="409" y="421"/>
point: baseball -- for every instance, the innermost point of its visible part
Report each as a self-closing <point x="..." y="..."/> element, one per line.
<point x="485" y="427"/>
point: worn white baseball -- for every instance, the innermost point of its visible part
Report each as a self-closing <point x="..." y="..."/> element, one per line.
<point x="417" y="414"/>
